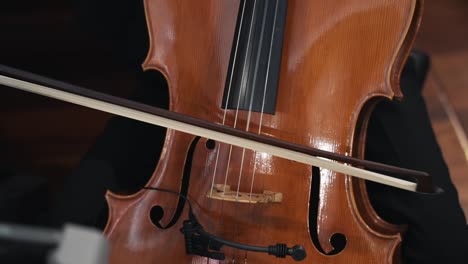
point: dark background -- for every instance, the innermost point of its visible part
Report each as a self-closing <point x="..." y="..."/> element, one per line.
<point x="41" y="138"/>
<point x="46" y="137"/>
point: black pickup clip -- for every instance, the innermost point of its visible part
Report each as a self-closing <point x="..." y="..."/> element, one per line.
<point x="198" y="242"/>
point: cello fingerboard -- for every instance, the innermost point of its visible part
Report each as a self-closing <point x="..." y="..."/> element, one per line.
<point x="252" y="79"/>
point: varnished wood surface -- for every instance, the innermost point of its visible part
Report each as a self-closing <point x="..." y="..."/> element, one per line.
<point x="323" y="61"/>
<point x="54" y="148"/>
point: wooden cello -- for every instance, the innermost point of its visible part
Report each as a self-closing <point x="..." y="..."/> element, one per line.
<point x="306" y="72"/>
<point x="302" y="71"/>
<point x="220" y="59"/>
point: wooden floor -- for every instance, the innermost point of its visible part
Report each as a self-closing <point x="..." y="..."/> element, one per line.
<point x="444" y="37"/>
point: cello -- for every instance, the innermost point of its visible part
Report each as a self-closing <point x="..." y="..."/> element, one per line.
<point x="327" y="51"/>
<point x="307" y="72"/>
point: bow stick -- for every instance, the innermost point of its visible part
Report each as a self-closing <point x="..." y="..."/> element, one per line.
<point x="315" y="157"/>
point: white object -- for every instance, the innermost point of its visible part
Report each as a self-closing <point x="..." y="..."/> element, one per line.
<point x="80" y="245"/>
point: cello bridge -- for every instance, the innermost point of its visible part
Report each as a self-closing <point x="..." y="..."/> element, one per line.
<point x="224" y="193"/>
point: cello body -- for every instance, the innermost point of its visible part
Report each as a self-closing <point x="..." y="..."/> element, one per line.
<point x="338" y="59"/>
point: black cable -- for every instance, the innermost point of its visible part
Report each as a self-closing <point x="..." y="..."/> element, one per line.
<point x="198" y="241"/>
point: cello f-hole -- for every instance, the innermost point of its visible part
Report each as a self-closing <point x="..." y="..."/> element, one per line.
<point x="337" y="241"/>
<point x="157" y="212"/>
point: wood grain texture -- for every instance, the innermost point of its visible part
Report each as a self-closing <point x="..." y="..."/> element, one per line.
<point x="334" y="50"/>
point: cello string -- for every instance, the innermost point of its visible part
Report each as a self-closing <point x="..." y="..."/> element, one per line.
<point x="252" y="94"/>
<point x="215" y="170"/>
<point x="262" y="111"/>
<point x="263" y="100"/>
<point x="260" y="123"/>
<point x="254" y="80"/>
<point x="228" y="93"/>
<point x="249" y="113"/>
<point x="243" y="83"/>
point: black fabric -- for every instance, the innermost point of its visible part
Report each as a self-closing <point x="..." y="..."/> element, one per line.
<point x="21" y="198"/>
<point x="400" y="133"/>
